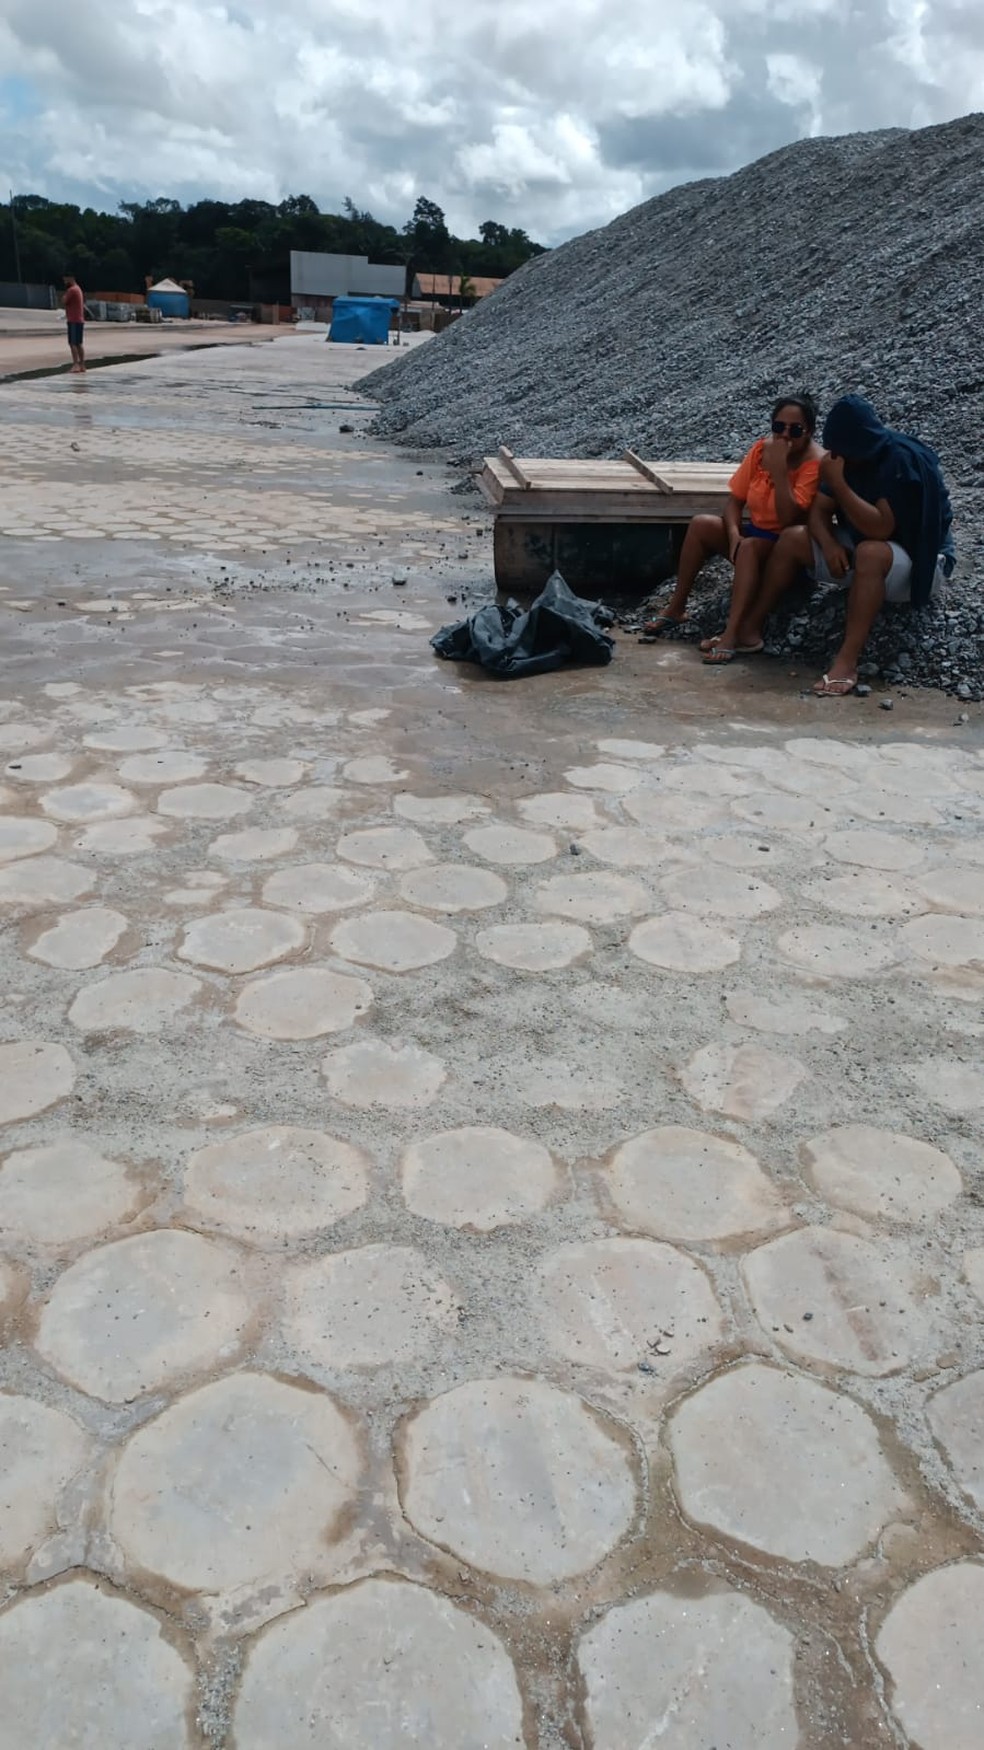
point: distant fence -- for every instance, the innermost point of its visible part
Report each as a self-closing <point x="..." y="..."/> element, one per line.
<point x="20" y="297"/>
<point x="117" y="297"/>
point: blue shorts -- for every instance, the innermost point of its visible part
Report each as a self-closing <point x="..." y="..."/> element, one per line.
<point x="752" y="532"/>
<point x="75" y="332"/>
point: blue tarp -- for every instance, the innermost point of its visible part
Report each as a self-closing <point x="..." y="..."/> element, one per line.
<point x="364" y="320"/>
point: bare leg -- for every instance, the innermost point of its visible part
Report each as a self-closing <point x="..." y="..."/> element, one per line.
<point x="872" y="563"/>
<point x="705" y="535"/>
<point x="750" y="561"/>
<point x="792" y="551"/>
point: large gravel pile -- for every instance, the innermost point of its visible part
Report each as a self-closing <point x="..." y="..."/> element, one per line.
<point x="833" y="265"/>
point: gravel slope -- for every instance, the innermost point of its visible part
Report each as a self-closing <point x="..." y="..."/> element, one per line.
<point x="853" y="263"/>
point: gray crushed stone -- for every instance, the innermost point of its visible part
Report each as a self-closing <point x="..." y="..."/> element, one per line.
<point x="834" y="265"/>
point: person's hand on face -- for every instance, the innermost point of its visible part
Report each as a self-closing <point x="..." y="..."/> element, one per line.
<point x="775" y="455"/>
<point x="832" y="471"/>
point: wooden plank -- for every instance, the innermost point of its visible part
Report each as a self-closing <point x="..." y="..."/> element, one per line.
<point x="582" y="490"/>
<point x="651" y="507"/>
<point x="646" y="470"/>
<point x="506" y="456"/>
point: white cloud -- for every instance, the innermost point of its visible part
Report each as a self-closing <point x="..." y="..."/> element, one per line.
<point x="554" y="117"/>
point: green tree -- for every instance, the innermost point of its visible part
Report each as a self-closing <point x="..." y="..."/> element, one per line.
<point x="428" y="237"/>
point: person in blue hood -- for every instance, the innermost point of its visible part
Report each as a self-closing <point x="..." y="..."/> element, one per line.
<point x="880" y="526"/>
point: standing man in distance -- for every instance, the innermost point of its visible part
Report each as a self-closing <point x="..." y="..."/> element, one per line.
<point x="75" y="321"/>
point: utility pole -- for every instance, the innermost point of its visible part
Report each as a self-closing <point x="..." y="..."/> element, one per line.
<point x="13" y="229"/>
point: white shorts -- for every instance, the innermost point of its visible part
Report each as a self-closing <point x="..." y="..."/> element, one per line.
<point x="897" y="583"/>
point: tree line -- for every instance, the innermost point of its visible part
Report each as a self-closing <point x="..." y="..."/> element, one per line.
<point x="234" y="250"/>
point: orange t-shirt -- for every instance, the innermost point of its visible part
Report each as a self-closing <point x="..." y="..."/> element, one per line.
<point x="752" y="484"/>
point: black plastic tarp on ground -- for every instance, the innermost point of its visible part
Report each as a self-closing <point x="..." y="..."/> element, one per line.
<point x="557" y="631"/>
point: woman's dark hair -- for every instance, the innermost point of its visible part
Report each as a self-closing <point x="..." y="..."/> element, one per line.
<point x="806" y="405"/>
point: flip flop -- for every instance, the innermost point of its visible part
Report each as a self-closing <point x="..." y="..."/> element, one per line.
<point x="709" y="644"/>
<point x="718" y="655"/>
<point x="828" y="689"/>
<point x="652" y="628"/>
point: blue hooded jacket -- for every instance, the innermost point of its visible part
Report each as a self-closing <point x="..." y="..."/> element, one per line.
<point x="881" y="463"/>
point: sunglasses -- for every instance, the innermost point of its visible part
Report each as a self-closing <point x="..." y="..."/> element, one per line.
<point x="787" y="428"/>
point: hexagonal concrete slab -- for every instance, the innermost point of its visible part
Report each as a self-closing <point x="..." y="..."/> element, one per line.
<point x="393" y="941"/>
<point x="800" y="1475"/>
<point x="241" y="939"/>
<point x="21" y="837"/>
<point x="37" y="883"/>
<point x="879" y="1173"/>
<point x="833" y="951"/>
<point x="945" y="941"/>
<point x="720" y="892"/>
<point x="478" y="1178"/>
<point x="791" y="1015"/>
<point x="67" y="1191"/>
<point x="145" y="999"/>
<point x="257" y="844"/>
<point x="281" y="1182"/>
<point x="956" y="1416"/>
<point x="954" y="888"/>
<point x="518" y="1478"/>
<point x="80" y="803"/>
<point x="132" y="1316"/>
<point x="626" y="1304"/>
<point x="682" y="1184"/>
<point x="167" y="766"/>
<point x="698" y="1672"/>
<point x="380" y="1072"/>
<point x="242" y="1482"/>
<point x="871" y="849"/>
<point x="534" y="947"/>
<point x="302" y="1004"/>
<point x="385" y="847"/>
<point x="453" y="887"/>
<point x="742" y="1081"/>
<point x="510" y="845"/>
<point x="956" y="1087"/>
<point x="205" y="802"/>
<point x="33" y="1076"/>
<point x="316" y="888"/>
<point x="595" y="898"/>
<point x="629" y="847"/>
<point x="681" y="943"/>
<point x="863" y="893"/>
<point x="41" y="1449"/>
<point x="613" y="778"/>
<point x="930" y="1645"/>
<point x="559" y="808"/>
<point x="81" y="1667"/>
<point x="80" y="939"/>
<point x="439" y="810"/>
<point x="833" y="1299"/>
<point x="369" y="1666"/>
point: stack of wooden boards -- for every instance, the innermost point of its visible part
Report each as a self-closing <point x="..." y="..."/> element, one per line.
<point x="603" y="525"/>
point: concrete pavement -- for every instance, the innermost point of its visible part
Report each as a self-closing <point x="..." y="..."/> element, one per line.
<point x="491" y="1248"/>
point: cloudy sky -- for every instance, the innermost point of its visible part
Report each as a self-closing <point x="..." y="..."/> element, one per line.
<point x="546" y="115"/>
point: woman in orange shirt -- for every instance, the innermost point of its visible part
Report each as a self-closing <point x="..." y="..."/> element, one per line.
<point x="770" y="490"/>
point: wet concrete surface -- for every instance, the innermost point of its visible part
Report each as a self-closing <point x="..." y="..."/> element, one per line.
<point x="34" y="344"/>
<point x="491" y="1247"/>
